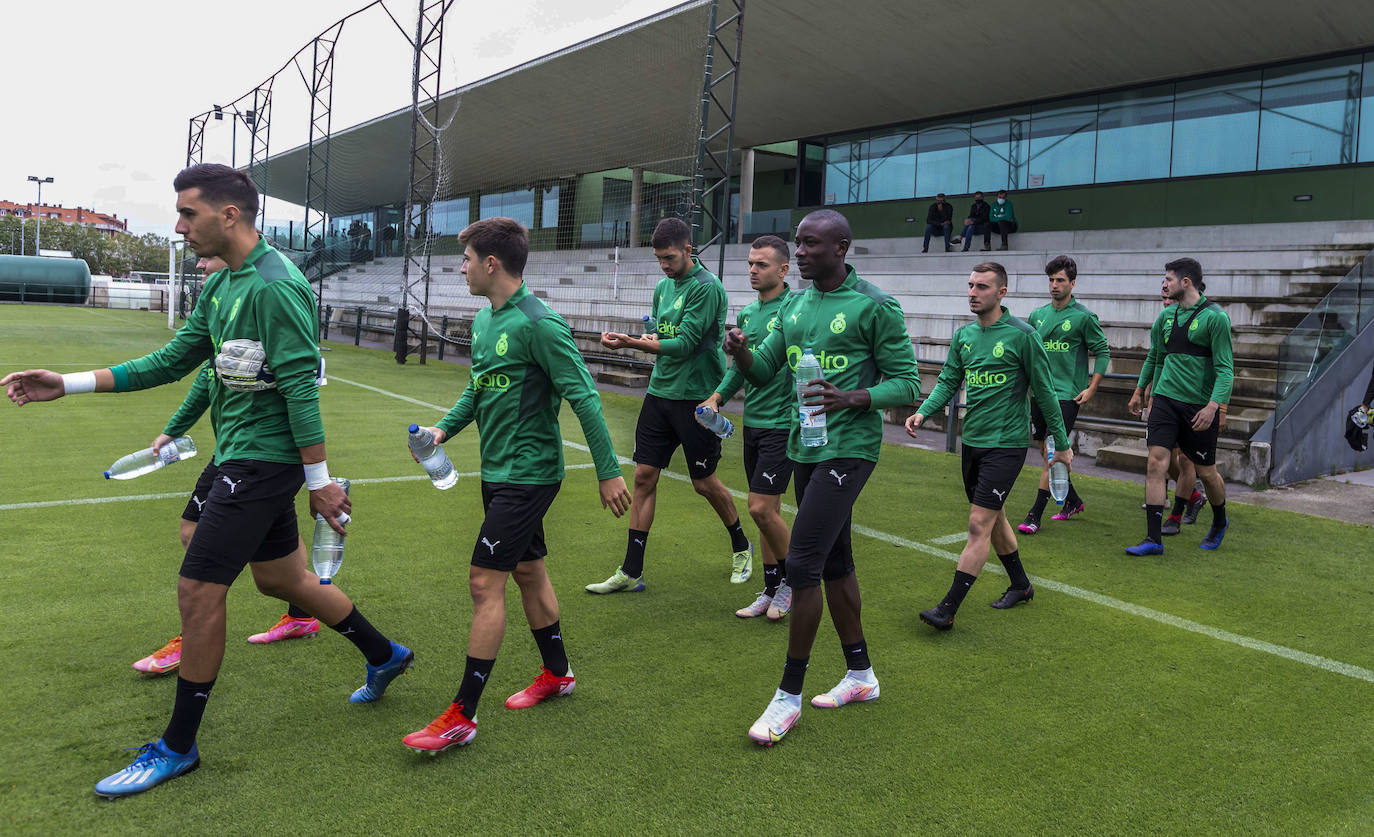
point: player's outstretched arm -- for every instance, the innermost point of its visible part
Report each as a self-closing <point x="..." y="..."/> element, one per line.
<point x="46" y="385"/>
<point x="327" y="498"/>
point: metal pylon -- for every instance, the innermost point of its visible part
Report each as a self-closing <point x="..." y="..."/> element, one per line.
<point x="717" y="120"/>
<point x="320" y="85"/>
<point x="424" y="170"/>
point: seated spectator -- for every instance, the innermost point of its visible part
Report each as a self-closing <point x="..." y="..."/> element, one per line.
<point x="976" y="222"/>
<point x="1003" y="217"/>
<point x="939" y="219"/>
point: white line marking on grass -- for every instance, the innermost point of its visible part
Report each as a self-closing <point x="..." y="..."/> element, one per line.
<point x="957" y="537"/>
<point x="1323" y="663"/>
<point x="88" y="501"/>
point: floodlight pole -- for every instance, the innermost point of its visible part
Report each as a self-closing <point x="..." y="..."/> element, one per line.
<point x="424" y="171"/>
<point x="38" y="234"/>
<point x="720" y="160"/>
<point x="195" y="138"/>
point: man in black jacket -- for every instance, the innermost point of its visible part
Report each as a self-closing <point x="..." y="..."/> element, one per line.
<point x="940" y="219"/>
<point x="976" y="222"/>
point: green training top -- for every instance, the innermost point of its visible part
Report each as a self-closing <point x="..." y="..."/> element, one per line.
<point x="691" y="320"/>
<point x="858" y="333"/>
<point x="267" y="300"/>
<point x="1069" y="335"/>
<point x="196" y="402"/>
<point x="1197" y="366"/>
<point x="524" y="364"/>
<point x="774" y="404"/>
<point x="998" y="365"/>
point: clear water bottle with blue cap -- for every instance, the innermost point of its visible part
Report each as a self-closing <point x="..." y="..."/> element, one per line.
<point x="146" y="461"/>
<point x="812" y="430"/>
<point x="1059" y="472"/>
<point x="326" y="551"/>
<point x="715" y="422"/>
<point x="430" y="454"/>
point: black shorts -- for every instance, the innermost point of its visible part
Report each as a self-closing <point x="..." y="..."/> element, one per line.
<point x="820" y="547"/>
<point x="249" y="515"/>
<point x="989" y="474"/>
<point x="196" y="504"/>
<point x="765" y="460"/>
<point x="513" y="530"/>
<point x="1171" y="425"/>
<point x="1068" y="409"/>
<point x="666" y="423"/>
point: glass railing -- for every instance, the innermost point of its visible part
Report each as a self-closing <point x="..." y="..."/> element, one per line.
<point x="1323" y="334"/>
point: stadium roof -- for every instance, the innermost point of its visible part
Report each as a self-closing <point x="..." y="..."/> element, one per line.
<point x="811" y="67"/>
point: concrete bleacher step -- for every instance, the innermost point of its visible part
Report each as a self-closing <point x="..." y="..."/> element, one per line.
<point x="1123" y="457"/>
<point x="624" y="378"/>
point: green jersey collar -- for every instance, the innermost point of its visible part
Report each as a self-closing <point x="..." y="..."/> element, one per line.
<point x="258" y="251"/>
<point x="520" y="293"/>
<point x="850" y="279"/>
<point x="697" y="267"/>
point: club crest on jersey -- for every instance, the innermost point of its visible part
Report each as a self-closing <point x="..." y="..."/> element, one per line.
<point x="1066" y="326"/>
<point x="501" y="344"/>
<point x="677" y="304"/>
<point x="1194" y="325"/>
<point x="998" y="350"/>
<point x="772" y="324"/>
<point x="837" y="324"/>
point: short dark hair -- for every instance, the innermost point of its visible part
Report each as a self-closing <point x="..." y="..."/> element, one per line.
<point x="774" y="242"/>
<point x="1001" y="191"/>
<point x="940" y="195"/>
<point x="504" y="238"/>
<point x="993" y="267"/>
<point x="1186" y="268"/>
<point x="1064" y="263"/>
<point x="219" y="186"/>
<point x="830" y="217"/>
<point x="671" y="232"/>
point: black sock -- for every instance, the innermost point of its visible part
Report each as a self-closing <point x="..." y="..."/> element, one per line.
<point x="1219" y="516"/>
<point x="1015" y="571"/>
<point x="634" y="554"/>
<point x="793" y="674"/>
<point x="955" y="597"/>
<point x="1180" y="504"/>
<point x="550" y="642"/>
<point x="738" y="542"/>
<point x="1072" y="500"/>
<point x="375" y="647"/>
<point x="296" y="612"/>
<point x="1041" y="498"/>
<point x="475" y="676"/>
<point x="1154" y="521"/>
<point x="180" y="735"/>
<point x="782" y="570"/>
<point x="772" y="577"/>
<point x="856" y="656"/>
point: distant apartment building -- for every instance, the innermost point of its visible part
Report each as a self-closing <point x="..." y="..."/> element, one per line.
<point x="104" y="222"/>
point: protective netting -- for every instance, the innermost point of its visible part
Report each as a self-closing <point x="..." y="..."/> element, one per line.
<point x="589" y="148"/>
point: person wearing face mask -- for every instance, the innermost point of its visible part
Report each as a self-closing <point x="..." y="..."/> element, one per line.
<point x="1002" y="219"/>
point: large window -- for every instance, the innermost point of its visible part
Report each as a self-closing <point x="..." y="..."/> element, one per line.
<point x="518" y="205"/>
<point x="942" y="158"/>
<point x="1216" y="124"/>
<point x="1063" y="140"/>
<point x="449" y="217"/>
<point x="1134" y="132"/>
<point x="1310" y="113"/>
<point x="548" y="206"/>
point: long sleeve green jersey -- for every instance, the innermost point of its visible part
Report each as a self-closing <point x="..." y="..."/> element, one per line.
<point x="858" y="333"/>
<point x="267" y="300"/>
<point x="524" y="365"/>
<point x="691" y="321"/>
<point x="1196" y="365"/>
<point x="998" y="366"/>
<point x="194" y="405"/>
<point x="773" y="404"/>
<point x="1069" y="335"/>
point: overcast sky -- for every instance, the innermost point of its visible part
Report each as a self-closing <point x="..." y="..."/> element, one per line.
<point x="99" y="92"/>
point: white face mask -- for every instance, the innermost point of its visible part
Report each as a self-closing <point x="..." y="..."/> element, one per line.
<point x="1001" y="200"/>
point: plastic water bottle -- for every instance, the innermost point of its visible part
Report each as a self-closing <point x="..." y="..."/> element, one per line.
<point x="1059" y="473"/>
<point x="326" y="551"/>
<point x="146" y="461"/>
<point x="650" y="325"/>
<point x="813" y="433"/>
<point x="432" y="458"/>
<point x="715" y="422"/>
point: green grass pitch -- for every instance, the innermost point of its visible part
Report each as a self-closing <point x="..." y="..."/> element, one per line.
<point x="1066" y="716"/>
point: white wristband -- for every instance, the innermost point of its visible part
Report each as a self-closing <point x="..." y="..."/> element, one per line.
<point x="316" y="475"/>
<point x="78" y="382"/>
